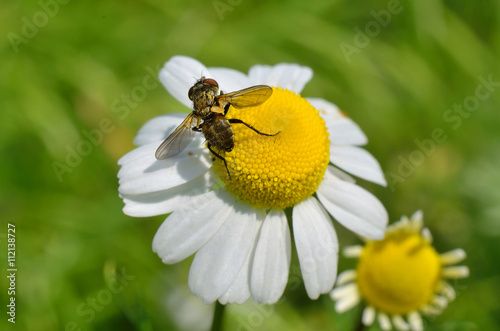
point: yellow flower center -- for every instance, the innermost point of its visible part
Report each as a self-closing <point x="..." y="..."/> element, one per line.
<point x="398" y="274"/>
<point x="281" y="170"/>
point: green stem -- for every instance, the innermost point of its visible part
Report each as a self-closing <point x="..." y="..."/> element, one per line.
<point x="360" y="326"/>
<point x="218" y="313"/>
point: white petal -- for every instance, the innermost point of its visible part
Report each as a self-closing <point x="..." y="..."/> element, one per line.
<point x="216" y="265"/>
<point x="440" y="301"/>
<point x="317" y="246"/>
<point x="354" y="207"/>
<point x="447" y="290"/>
<point x="427" y="235"/>
<point x="344" y="291"/>
<point x="346" y="276"/>
<point x="342" y="175"/>
<point x="239" y="291"/>
<point x="358" y="162"/>
<point x="346" y="302"/>
<point x="417" y="221"/>
<point x="415" y="321"/>
<point x="137" y="154"/>
<point x="342" y="130"/>
<point x="191" y="225"/>
<point x="327" y="110"/>
<point x="258" y="74"/>
<point x="229" y="80"/>
<point x="142" y="173"/>
<point x="158" y="128"/>
<point x="345" y="132"/>
<point x="142" y="151"/>
<point x="452" y="257"/>
<point x="418" y="217"/>
<point x="271" y="261"/>
<point x="384" y="321"/>
<point x="368" y="317"/>
<point x="179" y="74"/>
<point x="353" y="251"/>
<point x="430" y="310"/>
<point x="456" y="272"/>
<point x="285" y="75"/>
<point x="399" y="323"/>
<point x="164" y="202"/>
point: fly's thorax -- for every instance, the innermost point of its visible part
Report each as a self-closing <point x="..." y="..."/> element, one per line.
<point x="204" y="112"/>
<point x="204" y="97"/>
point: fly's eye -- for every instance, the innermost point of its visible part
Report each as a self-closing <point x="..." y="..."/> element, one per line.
<point x="210" y="81"/>
<point x="190" y="93"/>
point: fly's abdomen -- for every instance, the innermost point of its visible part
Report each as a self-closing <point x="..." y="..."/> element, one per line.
<point x="219" y="133"/>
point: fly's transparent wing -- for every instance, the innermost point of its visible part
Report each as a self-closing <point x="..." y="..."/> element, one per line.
<point x="249" y="97"/>
<point x="178" y="140"/>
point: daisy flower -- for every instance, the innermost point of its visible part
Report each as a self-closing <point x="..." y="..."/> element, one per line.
<point x="236" y="226"/>
<point x="399" y="276"/>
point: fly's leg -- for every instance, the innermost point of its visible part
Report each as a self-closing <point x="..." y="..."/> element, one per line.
<point x="237" y="121"/>
<point x="226" y="107"/>
<point x="220" y="157"/>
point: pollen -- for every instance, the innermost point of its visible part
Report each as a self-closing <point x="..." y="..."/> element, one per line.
<point x="399" y="274"/>
<point x="282" y="170"/>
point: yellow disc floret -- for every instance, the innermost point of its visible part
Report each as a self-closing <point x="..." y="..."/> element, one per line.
<point x="399" y="274"/>
<point x="281" y="170"/>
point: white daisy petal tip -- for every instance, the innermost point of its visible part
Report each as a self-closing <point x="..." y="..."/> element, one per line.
<point x="345" y="276"/>
<point x="426" y="235"/>
<point x="456" y="272"/>
<point x="453" y="257"/>
<point x="271" y="261"/>
<point x="447" y="290"/>
<point x="353" y="251"/>
<point x="345" y="304"/>
<point x="346" y="297"/>
<point x="166" y="201"/>
<point x="400" y="323"/>
<point x="358" y="162"/>
<point x="418" y="216"/>
<point x="142" y="173"/>
<point x="384" y="321"/>
<point x="317" y="246"/>
<point x="353" y="207"/>
<point x="415" y="321"/>
<point x="218" y="263"/>
<point x="440" y="301"/>
<point x="369" y="314"/>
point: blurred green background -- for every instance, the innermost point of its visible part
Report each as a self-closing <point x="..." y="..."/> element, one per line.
<point x="67" y="68"/>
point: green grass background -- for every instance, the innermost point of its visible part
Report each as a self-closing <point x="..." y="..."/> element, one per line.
<point x="72" y="237"/>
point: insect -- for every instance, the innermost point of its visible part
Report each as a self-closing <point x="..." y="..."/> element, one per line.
<point x="211" y="108"/>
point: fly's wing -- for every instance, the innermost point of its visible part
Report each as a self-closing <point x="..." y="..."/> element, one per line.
<point x="178" y="140"/>
<point x="249" y="97"/>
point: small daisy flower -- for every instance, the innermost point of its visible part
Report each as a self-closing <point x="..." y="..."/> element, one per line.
<point x="236" y="226"/>
<point x="399" y="276"/>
